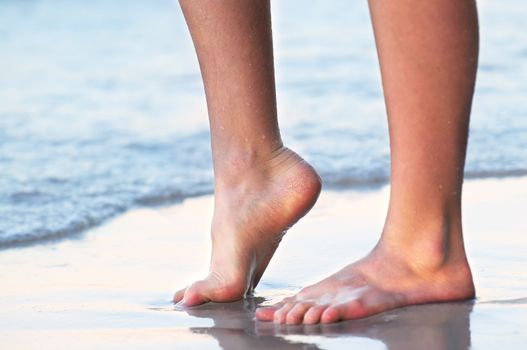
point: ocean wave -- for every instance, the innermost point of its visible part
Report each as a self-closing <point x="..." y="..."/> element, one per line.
<point x="79" y="221"/>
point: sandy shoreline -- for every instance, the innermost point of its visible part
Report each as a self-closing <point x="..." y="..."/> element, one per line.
<point x="111" y="288"/>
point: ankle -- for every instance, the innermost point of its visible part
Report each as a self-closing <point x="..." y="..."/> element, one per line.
<point x="244" y="166"/>
<point x="429" y="244"/>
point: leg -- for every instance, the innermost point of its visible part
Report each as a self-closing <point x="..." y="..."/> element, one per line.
<point x="261" y="187"/>
<point x="428" y="56"/>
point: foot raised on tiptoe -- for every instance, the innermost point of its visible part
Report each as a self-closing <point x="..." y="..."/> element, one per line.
<point x="254" y="207"/>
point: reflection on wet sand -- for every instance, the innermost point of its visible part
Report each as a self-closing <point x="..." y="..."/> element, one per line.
<point x="235" y="327"/>
<point x="431" y="327"/>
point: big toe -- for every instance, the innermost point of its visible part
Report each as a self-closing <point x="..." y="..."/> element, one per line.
<point x="178" y="296"/>
<point x="211" y="288"/>
<point x="196" y="294"/>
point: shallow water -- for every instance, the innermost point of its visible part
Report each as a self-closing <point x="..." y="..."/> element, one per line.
<point x="102" y="108"/>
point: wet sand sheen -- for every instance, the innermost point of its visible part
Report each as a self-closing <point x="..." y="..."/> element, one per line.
<point x="112" y="287"/>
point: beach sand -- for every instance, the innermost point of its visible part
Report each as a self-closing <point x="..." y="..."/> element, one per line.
<point x="111" y="287"/>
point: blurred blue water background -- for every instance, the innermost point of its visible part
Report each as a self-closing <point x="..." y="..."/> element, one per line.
<point x="102" y="106"/>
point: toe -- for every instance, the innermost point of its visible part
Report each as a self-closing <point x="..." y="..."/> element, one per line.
<point x="330" y="315"/>
<point x="296" y="314"/>
<point x="281" y="313"/>
<point x="179" y="295"/>
<point x="266" y="313"/>
<point x="196" y="294"/>
<point x="314" y="313"/>
<point x="344" y="311"/>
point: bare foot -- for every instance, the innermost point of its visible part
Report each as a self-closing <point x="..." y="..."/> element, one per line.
<point x="383" y="280"/>
<point x="252" y="213"/>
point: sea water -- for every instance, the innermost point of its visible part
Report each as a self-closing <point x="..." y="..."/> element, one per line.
<point x="102" y="107"/>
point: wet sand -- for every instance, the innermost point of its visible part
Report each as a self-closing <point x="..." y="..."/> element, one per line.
<point x="111" y="288"/>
